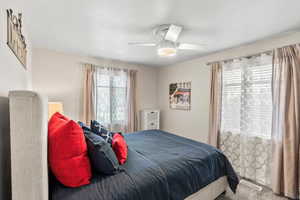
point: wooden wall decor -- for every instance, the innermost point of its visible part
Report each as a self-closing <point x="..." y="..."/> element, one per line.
<point x="15" y="38"/>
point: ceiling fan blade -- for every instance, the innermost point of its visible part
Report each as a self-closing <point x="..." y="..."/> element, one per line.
<point x="144" y="44"/>
<point x="186" y="46"/>
<point x="173" y="33"/>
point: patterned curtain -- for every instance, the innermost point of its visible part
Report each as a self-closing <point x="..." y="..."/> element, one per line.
<point x="246" y="116"/>
<point x="111" y="98"/>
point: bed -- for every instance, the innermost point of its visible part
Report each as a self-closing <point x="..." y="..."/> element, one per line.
<point x="160" y="165"/>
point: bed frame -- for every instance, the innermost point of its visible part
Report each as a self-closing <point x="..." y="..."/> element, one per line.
<point x="29" y="165"/>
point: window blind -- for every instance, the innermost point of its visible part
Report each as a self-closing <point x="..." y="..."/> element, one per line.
<point x="246" y="96"/>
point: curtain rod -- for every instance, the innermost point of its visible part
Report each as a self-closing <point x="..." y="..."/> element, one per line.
<point x="110" y="66"/>
<point x="251" y="55"/>
<point x="268" y="52"/>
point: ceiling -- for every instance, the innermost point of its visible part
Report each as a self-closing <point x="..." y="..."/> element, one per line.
<point x="103" y="28"/>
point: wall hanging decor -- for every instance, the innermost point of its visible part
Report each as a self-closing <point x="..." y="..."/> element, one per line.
<point x="15" y="38"/>
<point x="180" y="96"/>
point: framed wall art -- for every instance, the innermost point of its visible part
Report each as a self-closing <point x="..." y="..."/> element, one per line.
<point x="180" y="96"/>
<point x="15" y="38"/>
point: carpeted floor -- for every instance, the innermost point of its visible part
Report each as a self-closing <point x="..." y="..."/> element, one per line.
<point x="243" y="194"/>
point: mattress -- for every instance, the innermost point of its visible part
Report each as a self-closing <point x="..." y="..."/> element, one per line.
<point x="160" y="166"/>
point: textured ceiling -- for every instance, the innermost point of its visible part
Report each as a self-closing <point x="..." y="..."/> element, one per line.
<point x="102" y="28"/>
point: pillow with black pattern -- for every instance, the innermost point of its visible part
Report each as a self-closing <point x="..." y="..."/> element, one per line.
<point x="100" y="130"/>
<point x="84" y="126"/>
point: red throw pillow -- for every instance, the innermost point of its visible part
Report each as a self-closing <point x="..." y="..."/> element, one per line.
<point x="120" y="147"/>
<point x="68" y="156"/>
<point x="56" y="121"/>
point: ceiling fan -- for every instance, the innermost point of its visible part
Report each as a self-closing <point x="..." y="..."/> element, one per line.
<point x="166" y="41"/>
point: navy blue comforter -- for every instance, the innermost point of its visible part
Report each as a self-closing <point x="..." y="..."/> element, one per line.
<point x="160" y="166"/>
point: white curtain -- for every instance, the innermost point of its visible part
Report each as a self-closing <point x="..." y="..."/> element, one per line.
<point x="111" y="98"/>
<point x="246" y="116"/>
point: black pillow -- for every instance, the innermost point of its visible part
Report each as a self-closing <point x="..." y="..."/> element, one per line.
<point x="102" y="156"/>
<point x="99" y="129"/>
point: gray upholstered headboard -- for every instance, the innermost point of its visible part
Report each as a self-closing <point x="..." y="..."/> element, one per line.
<point x="28" y="135"/>
<point x="5" y="192"/>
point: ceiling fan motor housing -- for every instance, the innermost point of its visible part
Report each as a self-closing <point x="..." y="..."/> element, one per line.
<point x="168" y="32"/>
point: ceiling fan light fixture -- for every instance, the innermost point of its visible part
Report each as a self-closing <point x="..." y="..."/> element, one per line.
<point x="166" y="49"/>
<point x="166" y="52"/>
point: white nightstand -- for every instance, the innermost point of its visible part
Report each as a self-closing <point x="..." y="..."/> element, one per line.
<point x="149" y="119"/>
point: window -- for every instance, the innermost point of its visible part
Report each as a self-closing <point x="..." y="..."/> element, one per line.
<point x="246" y="97"/>
<point x="246" y="119"/>
<point x="111" y="98"/>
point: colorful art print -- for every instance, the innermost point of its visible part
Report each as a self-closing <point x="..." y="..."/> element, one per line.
<point x="180" y="96"/>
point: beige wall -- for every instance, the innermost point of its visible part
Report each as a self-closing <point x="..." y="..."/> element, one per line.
<point x="194" y="123"/>
<point x="59" y="76"/>
<point x="13" y="76"/>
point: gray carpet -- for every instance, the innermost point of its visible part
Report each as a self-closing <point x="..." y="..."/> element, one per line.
<point x="243" y="194"/>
